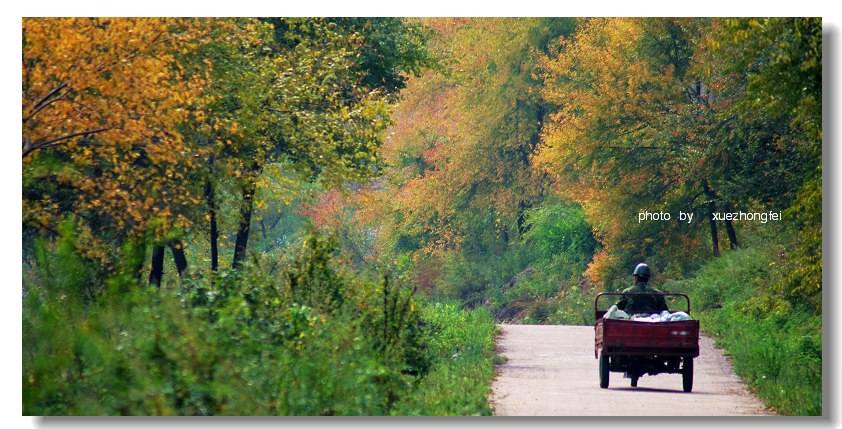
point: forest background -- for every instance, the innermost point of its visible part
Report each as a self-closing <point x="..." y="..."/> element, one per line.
<point x="186" y="235"/>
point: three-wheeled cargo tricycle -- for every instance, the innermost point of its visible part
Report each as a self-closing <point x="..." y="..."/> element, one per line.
<point x="641" y="347"/>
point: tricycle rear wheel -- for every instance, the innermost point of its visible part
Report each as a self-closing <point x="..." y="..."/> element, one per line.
<point x="603" y="370"/>
<point x="687" y="374"/>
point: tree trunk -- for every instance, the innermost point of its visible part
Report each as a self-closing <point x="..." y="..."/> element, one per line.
<point x="246" y="209"/>
<point x="729" y="227"/>
<point x="714" y="234"/>
<point x="210" y="197"/>
<point x="177" y="249"/>
<point x="157" y="265"/>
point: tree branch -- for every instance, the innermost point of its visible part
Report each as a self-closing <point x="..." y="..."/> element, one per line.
<point x="29" y="148"/>
<point x="39" y="104"/>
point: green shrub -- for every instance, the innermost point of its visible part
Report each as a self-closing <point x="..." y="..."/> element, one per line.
<point x="558" y="232"/>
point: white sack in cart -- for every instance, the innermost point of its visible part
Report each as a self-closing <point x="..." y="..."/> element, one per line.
<point x="664" y="316"/>
<point x="616" y="313"/>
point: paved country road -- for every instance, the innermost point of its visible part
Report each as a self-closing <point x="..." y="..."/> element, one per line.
<point x="551" y="371"/>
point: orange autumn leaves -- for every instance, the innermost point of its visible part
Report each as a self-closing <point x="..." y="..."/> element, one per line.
<point x="608" y="146"/>
<point x="102" y="99"/>
<point x="113" y="76"/>
<point x="459" y="147"/>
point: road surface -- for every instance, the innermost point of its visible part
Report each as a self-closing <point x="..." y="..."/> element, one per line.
<point x="551" y="371"/>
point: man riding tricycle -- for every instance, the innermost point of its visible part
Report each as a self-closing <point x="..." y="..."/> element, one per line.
<point x="639" y="335"/>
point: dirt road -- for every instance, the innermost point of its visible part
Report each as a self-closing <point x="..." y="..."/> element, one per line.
<point x="551" y="371"/>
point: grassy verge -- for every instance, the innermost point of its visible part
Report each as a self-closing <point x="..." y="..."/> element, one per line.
<point x="775" y="343"/>
<point x="460" y="345"/>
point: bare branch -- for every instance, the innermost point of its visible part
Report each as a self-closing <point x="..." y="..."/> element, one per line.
<point x="48" y="104"/>
<point x="29" y="148"/>
<point x="47" y="97"/>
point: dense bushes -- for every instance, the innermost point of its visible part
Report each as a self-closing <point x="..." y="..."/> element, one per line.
<point x="306" y="339"/>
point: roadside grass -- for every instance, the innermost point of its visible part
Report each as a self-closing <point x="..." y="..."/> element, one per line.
<point x="780" y="356"/>
<point x="460" y="345"/>
<point x="775" y="343"/>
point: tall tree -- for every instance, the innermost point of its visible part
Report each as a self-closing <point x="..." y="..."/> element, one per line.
<point x="311" y="115"/>
<point x="626" y="137"/>
<point x="102" y="101"/>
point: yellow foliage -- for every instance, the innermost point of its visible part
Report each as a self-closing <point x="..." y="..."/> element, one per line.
<point x="607" y="146"/>
<point x="105" y="95"/>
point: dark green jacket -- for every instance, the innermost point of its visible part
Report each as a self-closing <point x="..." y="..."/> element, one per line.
<point x="642" y="303"/>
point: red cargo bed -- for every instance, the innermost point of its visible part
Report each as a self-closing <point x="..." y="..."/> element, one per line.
<point x="628" y="337"/>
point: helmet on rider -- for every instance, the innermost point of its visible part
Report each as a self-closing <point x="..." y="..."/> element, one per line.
<point x="642" y="271"/>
